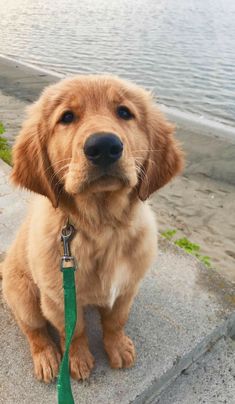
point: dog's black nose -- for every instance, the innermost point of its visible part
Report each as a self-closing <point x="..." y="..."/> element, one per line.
<point x="103" y="148"/>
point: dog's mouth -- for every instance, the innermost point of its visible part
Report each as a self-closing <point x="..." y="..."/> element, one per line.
<point x="105" y="182"/>
<point x="96" y="181"/>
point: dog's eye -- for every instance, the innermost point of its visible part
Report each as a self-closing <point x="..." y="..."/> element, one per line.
<point x="67" y="117"/>
<point x="124" y="113"/>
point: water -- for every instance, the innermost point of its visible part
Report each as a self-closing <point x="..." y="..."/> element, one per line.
<point x="182" y="49"/>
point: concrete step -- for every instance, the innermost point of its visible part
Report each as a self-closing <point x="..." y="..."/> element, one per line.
<point x="181" y="311"/>
<point x="210" y="380"/>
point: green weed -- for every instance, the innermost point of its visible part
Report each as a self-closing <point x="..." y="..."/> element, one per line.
<point x="5" y="150"/>
<point x="188" y="246"/>
<point x="169" y="234"/>
<point x="2" y="129"/>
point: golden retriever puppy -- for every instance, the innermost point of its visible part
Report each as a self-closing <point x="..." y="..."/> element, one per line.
<point x="93" y="149"/>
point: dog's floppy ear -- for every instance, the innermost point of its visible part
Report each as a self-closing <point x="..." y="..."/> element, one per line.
<point x="165" y="158"/>
<point x="31" y="166"/>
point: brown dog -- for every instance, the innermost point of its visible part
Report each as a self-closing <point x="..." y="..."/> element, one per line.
<point x="95" y="148"/>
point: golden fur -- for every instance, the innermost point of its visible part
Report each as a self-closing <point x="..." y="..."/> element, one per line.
<point x="116" y="237"/>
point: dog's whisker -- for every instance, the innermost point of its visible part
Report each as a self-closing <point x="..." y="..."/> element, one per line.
<point x="61" y="188"/>
<point x="149" y="159"/>
<point x="56" y="163"/>
<point x="57" y="172"/>
<point x="146" y="150"/>
<point x="143" y="175"/>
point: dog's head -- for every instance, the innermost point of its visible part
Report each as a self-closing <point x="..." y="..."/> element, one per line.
<point x="94" y="134"/>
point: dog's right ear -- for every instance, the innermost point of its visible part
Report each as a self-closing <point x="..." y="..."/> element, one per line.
<point x="165" y="158"/>
<point x="31" y="166"/>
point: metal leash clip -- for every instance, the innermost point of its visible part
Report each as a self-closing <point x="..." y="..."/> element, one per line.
<point x="67" y="260"/>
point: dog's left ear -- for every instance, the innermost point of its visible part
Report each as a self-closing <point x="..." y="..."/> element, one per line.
<point x="165" y="158"/>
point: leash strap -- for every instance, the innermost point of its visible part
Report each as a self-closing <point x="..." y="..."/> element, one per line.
<point x="68" y="268"/>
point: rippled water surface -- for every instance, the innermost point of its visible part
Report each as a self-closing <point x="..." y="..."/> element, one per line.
<point x="183" y="49"/>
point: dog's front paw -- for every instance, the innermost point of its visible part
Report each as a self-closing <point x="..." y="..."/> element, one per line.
<point x="81" y="359"/>
<point x="46" y="363"/>
<point x="81" y="364"/>
<point x="120" y="349"/>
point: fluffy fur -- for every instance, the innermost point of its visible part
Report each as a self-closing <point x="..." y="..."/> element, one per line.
<point x="116" y="237"/>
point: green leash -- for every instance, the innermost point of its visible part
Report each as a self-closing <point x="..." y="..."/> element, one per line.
<point x="68" y="268"/>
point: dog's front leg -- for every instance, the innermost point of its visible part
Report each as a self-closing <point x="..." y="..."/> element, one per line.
<point x="22" y="296"/>
<point x="119" y="347"/>
<point x="80" y="358"/>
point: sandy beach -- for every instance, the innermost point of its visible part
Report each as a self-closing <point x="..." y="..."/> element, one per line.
<point x="202" y="210"/>
<point x="199" y="204"/>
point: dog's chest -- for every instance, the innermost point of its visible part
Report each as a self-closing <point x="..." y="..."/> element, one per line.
<point x="103" y="273"/>
<point x="118" y="284"/>
<point x="101" y="279"/>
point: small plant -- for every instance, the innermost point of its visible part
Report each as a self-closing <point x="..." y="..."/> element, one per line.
<point x="206" y="260"/>
<point x="191" y="248"/>
<point x="2" y="129"/>
<point x="5" y="151"/>
<point x="188" y="246"/>
<point x="169" y="234"/>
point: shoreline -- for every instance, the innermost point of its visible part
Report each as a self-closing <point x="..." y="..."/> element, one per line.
<point x="207" y="126"/>
<point x="210" y="150"/>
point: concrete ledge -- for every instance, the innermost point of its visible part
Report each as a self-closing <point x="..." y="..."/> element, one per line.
<point x="181" y="311"/>
<point x="209" y="380"/>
